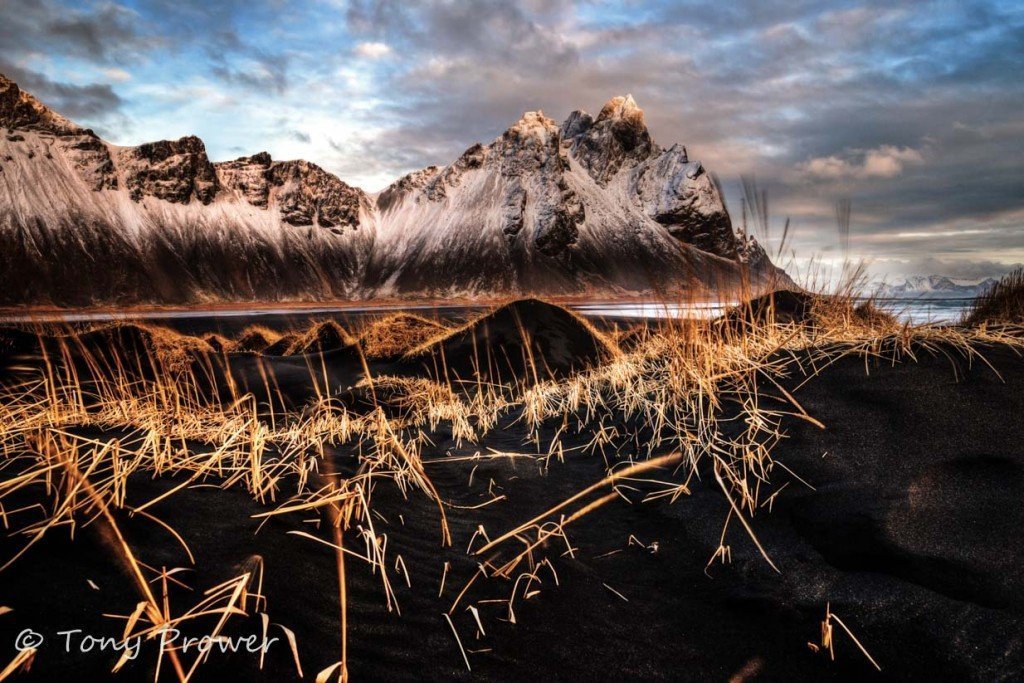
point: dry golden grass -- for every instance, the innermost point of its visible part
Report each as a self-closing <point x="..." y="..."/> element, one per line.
<point x="255" y="338"/>
<point x="320" y="336"/>
<point x="398" y="333"/>
<point x="1001" y="305"/>
<point x="77" y="427"/>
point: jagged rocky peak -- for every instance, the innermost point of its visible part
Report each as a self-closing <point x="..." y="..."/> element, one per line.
<point x="179" y="171"/>
<point x="308" y="195"/>
<point x="409" y="183"/>
<point x="578" y="123"/>
<point x="617" y="139"/>
<point x="530" y="158"/>
<point x="172" y="170"/>
<point x="20" y="110"/>
<point x="530" y="144"/>
<point x="176" y="171"/>
<point x="520" y="177"/>
<point x="533" y="127"/>
<point x="249" y="176"/>
<point x="304" y="193"/>
<point x="681" y="195"/>
<point x="672" y="190"/>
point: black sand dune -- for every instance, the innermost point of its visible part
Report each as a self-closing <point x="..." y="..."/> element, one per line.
<point x="326" y="335"/>
<point x="218" y="343"/>
<point x="911" y="535"/>
<point x="525" y="340"/>
<point x="278" y="369"/>
<point x="783" y="306"/>
<point x="390" y="337"/>
<point x="125" y="350"/>
<point x="255" y="339"/>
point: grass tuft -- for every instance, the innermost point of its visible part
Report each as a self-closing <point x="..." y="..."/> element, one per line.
<point x="1003" y="304"/>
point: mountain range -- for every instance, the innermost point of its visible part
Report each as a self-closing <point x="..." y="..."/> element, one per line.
<point x="936" y="287"/>
<point x="589" y="206"/>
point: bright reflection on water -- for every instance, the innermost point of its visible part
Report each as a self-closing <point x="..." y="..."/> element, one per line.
<point x="915" y="311"/>
<point x="920" y="311"/>
<point x="653" y="309"/>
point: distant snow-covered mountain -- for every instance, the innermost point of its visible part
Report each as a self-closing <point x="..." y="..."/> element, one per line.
<point x="592" y="206"/>
<point x="936" y="286"/>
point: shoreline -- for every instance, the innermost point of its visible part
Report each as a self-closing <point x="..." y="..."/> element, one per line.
<point x="237" y="309"/>
<point x="591" y="307"/>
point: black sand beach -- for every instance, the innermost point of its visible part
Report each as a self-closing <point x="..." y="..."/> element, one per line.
<point x="901" y="516"/>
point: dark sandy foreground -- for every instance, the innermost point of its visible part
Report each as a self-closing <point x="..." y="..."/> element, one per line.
<point x="912" y="535"/>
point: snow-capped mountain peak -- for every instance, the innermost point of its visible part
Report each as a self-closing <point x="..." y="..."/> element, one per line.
<point x="932" y="286"/>
<point x="618" y="138"/>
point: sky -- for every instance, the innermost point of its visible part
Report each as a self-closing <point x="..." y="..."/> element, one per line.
<point x="909" y="110"/>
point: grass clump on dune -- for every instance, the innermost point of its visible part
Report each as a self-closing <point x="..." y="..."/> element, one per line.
<point x="255" y="338"/>
<point x="398" y="333"/>
<point x="1003" y="304"/>
<point x="323" y="335"/>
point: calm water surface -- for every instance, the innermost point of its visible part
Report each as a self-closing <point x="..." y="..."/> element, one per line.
<point x="915" y="311"/>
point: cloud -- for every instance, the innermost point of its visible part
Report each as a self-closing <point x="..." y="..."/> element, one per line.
<point x="237" y="62"/>
<point x="100" y="34"/>
<point x="116" y="75"/>
<point x="104" y="33"/>
<point x="886" y="161"/>
<point x="372" y="50"/>
<point x="94" y="101"/>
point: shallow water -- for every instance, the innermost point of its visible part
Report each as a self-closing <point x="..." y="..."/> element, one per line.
<point x="919" y="311"/>
<point x="915" y="311"/>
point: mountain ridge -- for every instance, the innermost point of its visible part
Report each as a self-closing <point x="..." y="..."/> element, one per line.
<point x="937" y="286"/>
<point x="591" y="205"/>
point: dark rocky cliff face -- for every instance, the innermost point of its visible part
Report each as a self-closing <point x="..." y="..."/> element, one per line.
<point x="534" y="159"/>
<point x="309" y="195"/>
<point x="680" y="195"/>
<point x="304" y="193"/>
<point x="173" y="170"/>
<point x="407" y="185"/>
<point x="675" y="192"/>
<point x="527" y="164"/>
<point x="617" y="139"/>
<point x="529" y="154"/>
<point x="591" y="205"/>
<point x="249" y="176"/>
